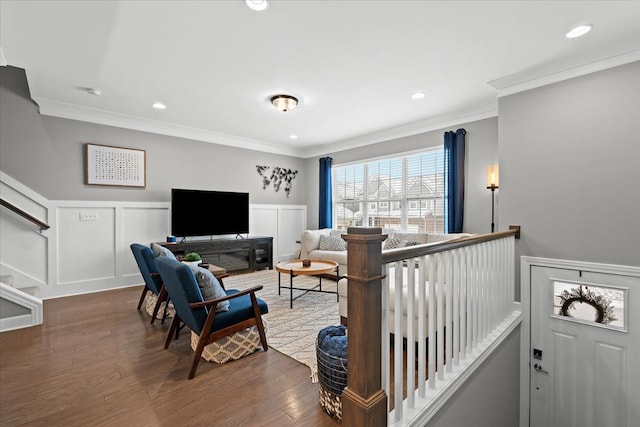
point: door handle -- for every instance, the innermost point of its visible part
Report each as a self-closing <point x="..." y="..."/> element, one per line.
<point x="538" y="368"/>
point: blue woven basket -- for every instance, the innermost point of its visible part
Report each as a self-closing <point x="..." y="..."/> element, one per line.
<point x="332" y="379"/>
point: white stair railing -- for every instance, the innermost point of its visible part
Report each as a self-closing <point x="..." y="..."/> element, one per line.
<point x="459" y="300"/>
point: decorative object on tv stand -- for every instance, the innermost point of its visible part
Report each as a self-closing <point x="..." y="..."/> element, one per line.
<point x="492" y="184"/>
<point x="277" y="177"/>
<point x="192" y="259"/>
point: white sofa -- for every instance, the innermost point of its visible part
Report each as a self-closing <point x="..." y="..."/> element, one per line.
<point x="310" y="249"/>
<point x="343" y="289"/>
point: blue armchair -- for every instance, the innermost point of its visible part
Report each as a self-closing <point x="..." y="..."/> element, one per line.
<point x="152" y="281"/>
<point x="200" y="316"/>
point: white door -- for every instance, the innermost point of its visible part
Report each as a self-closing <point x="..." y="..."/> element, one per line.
<point x="585" y="348"/>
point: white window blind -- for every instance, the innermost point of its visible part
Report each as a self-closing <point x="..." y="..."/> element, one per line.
<point x="405" y="192"/>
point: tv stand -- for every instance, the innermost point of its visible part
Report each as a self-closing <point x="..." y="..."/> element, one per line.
<point x="232" y="254"/>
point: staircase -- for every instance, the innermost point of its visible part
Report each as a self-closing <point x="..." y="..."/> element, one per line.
<point x="19" y="308"/>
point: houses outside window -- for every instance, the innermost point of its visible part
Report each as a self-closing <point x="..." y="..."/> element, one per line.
<point x="403" y="192"/>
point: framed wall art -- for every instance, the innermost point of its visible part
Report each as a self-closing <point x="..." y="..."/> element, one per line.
<point x="107" y="165"/>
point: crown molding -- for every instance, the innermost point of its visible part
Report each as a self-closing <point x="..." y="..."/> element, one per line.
<point x="541" y="76"/>
<point x="397" y="132"/>
<point x="63" y="110"/>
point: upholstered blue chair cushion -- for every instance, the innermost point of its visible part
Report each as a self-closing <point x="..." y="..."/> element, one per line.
<point x="145" y="259"/>
<point x="239" y="309"/>
<point x="183" y="290"/>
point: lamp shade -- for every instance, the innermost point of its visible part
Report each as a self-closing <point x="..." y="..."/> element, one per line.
<point x="493" y="176"/>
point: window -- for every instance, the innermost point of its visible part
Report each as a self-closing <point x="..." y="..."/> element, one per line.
<point x="405" y="192"/>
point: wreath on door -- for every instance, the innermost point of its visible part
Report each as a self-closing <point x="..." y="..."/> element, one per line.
<point x="582" y="295"/>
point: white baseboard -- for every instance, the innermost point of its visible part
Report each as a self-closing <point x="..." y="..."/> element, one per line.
<point x="17" y="322"/>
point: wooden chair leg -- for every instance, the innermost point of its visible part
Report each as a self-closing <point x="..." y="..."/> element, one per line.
<point x="164" y="312"/>
<point x="162" y="296"/>
<point x="263" y="337"/>
<point x="172" y="328"/>
<point x="202" y="341"/>
<point x="144" y="294"/>
<point x="259" y="324"/>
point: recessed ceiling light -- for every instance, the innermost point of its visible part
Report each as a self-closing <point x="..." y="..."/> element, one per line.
<point x="418" y="95"/>
<point x="578" y="31"/>
<point x="159" y="106"/>
<point x="256" y="4"/>
<point x="95" y="92"/>
<point x="293" y="136"/>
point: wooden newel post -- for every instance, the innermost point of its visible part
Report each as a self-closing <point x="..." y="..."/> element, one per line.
<point x="364" y="403"/>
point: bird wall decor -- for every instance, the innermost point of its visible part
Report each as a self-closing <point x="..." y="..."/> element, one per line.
<point x="277" y="177"/>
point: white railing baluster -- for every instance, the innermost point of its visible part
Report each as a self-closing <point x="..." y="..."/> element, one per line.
<point x="432" y="320"/>
<point x="440" y="316"/>
<point x="385" y="346"/>
<point x="464" y="303"/>
<point x="448" y="310"/>
<point x="494" y="299"/>
<point x="504" y="271"/>
<point x="475" y="287"/>
<point x="411" y="366"/>
<point x="397" y="341"/>
<point x="422" y="329"/>
<point x="483" y="286"/>
<point x="455" y="347"/>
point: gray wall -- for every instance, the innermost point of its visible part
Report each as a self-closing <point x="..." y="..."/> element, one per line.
<point x="570" y="167"/>
<point x="481" y="151"/>
<point x="46" y="154"/>
<point x="492" y="397"/>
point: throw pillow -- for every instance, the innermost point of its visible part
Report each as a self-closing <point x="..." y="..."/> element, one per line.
<point x="412" y="237"/>
<point x="209" y="286"/>
<point x="393" y="243"/>
<point x="328" y="243"/>
<point x="159" y="250"/>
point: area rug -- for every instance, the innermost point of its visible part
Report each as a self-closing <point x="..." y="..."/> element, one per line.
<point x="292" y="331"/>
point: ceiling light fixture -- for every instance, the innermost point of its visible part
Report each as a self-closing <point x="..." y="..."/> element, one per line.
<point x="293" y="136"/>
<point x="418" y="95"/>
<point x="578" y="31"/>
<point x="95" y="92"/>
<point x="256" y="4"/>
<point x="284" y="102"/>
<point x="159" y="106"/>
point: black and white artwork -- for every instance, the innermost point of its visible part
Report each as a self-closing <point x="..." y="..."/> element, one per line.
<point x="276" y="176"/>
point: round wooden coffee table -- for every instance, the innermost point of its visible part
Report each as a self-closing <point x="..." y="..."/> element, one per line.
<point x="295" y="268"/>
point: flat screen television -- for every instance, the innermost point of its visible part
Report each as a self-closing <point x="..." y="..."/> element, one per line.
<point x="208" y="213"/>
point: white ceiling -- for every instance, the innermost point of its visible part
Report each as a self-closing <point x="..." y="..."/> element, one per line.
<point x="353" y="64"/>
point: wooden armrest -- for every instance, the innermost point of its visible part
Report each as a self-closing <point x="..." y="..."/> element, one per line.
<point x="228" y="297"/>
<point x="221" y="275"/>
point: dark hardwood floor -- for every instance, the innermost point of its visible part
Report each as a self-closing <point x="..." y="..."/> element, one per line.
<point x="96" y="361"/>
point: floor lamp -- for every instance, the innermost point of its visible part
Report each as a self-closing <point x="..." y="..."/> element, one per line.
<point x="492" y="184"/>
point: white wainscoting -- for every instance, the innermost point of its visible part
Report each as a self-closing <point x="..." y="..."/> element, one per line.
<point x="87" y="247"/>
<point x="284" y="222"/>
